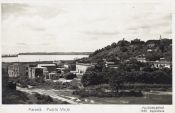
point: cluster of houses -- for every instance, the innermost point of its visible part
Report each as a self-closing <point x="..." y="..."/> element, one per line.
<point x="50" y="71"/>
<point x="55" y="70"/>
<point x="162" y="63"/>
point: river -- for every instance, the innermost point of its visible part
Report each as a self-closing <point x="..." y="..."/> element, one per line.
<point x="34" y="58"/>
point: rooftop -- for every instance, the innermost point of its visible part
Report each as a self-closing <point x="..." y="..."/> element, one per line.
<point x="41" y="65"/>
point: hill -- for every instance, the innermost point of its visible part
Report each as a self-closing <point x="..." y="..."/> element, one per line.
<point x="152" y="50"/>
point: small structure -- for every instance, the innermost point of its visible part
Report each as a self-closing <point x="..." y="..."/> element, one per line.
<point x="66" y="66"/>
<point x="141" y="59"/>
<point x="149" y="50"/>
<point x="52" y="76"/>
<point x="110" y="64"/>
<point x="107" y="64"/>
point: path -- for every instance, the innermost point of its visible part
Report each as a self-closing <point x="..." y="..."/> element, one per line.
<point x="51" y="93"/>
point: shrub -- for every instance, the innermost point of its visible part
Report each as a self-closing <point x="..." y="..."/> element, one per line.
<point x="70" y="76"/>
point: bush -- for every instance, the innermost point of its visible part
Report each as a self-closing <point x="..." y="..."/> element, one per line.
<point x="23" y="80"/>
<point x="70" y="76"/>
<point x="116" y="80"/>
<point x="43" y="98"/>
<point x="32" y="82"/>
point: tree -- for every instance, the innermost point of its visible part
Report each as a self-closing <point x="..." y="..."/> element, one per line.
<point x="144" y="77"/>
<point x="153" y="56"/>
<point x="123" y="42"/>
<point x="137" y="42"/>
<point x="94" y="78"/>
<point x="90" y="78"/>
<point x="116" y="79"/>
<point x="108" y="47"/>
<point x="161" y="77"/>
<point x="113" y="45"/>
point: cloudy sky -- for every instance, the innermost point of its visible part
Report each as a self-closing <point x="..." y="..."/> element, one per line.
<point x="80" y="26"/>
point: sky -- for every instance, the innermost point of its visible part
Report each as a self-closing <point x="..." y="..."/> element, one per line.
<point x="80" y="26"/>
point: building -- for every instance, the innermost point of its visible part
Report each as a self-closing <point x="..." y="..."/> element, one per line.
<point x="50" y="67"/>
<point x="107" y="64"/>
<point x="141" y="59"/>
<point x="50" y="72"/>
<point x="36" y="72"/>
<point x="66" y="66"/>
<point x="114" y="66"/>
<point x="161" y="64"/>
<point x="13" y="70"/>
<point x="19" y="69"/>
<point x="149" y="50"/>
<point x="52" y="76"/>
<point x="110" y="64"/>
<point x="82" y="67"/>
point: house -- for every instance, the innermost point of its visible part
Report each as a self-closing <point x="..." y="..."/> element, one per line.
<point x="50" y="72"/>
<point x="82" y="67"/>
<point x="51" y="76"/>
<point x="13" y="70"/>
<point x="17" y="69"/>
<point x="161" y="64"/>
<point x="107" y="64"/>
<point x="110" y="64"/>
<point x="36" y="72"/>
<point x="113" y="66"/>
<point x="149" y="50"/>
<point x="141" y="59"/>
<point x="50" y="67"/>
<point x="66" y="66"/>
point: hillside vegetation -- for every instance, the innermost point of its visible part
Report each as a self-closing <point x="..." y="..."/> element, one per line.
<point x="152" y="49"/>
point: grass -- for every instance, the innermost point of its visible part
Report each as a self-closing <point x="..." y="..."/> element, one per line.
<point x="151" y="99"/>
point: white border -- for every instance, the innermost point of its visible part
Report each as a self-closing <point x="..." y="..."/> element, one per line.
<point x="89" y="108"/>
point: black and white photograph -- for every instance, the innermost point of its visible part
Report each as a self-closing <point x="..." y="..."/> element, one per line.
<point x="97" y="53"/>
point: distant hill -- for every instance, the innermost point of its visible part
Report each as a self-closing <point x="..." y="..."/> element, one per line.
<point x="10" y="55"/>
<point x="152" y="50"/>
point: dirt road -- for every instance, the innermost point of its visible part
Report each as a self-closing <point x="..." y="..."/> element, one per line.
<point x="51" y="93"/>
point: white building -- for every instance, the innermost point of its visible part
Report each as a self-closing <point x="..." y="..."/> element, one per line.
<point x="161" y="64"/>
<point x="13" y="70"/>
<point x="82" y="67"/>
<point x="141" y="59"/>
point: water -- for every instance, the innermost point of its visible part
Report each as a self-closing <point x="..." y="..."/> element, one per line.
<point x="33" y="58"/>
